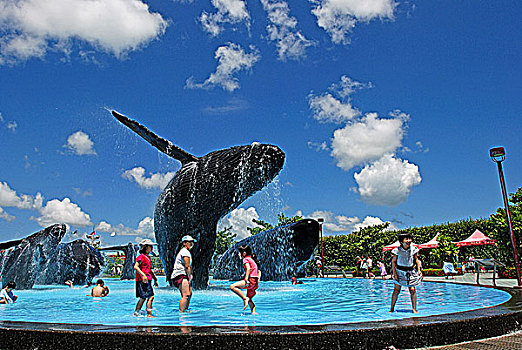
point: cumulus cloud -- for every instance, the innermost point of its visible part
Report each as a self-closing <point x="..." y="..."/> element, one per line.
<point x="64" y="211"/>
<point x="31" y="28"/>
<point x="9" y="198"/>
<point x="228" y="11"/>
<point x="341" y="223"/>
<point x="239" y="219"/>
<point x="6" y="216"/>
<point x="339" y="17"/>
<point x="367" y="140"/>
<point x="145" y="229"/>
<point x="80" y="143"/>
<point x="12" y="125"/>
<point x="291" y="43"/>
<point x="231" y="59"/>
<point x="154" y="181"/>
<point x="388" y="181"/>
<point x="336" y="107"/>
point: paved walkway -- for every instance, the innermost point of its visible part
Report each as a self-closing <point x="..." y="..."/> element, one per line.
<point x="505" y="342"/>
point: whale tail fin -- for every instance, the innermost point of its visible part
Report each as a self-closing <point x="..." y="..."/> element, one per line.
<point x="163" y="145"/>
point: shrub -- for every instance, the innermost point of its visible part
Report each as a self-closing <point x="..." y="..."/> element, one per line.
<point x="507" y="272"/>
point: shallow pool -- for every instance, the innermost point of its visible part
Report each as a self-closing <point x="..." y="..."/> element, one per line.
<point x="318" y="301"/>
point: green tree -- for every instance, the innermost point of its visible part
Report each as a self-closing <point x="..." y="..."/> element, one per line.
<point x="224" y="240"/>
<point x="264" y="226"/>
<point x="446" y="251"/>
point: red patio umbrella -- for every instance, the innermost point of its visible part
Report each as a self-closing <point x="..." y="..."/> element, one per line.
<point x="477" y="238"/>
<point x="432" y="243"/>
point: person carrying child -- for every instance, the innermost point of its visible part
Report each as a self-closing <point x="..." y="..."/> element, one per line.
<point x="6" y="294"/>
<point x="407" y="269"/>
<point x="144" y="277"/>
<point x="251" y="280"/>
<point x="181" y="276"/>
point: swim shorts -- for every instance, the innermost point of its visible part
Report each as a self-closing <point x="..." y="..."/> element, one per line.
<point x="253" y="284"/>
<point x="144" y="289"/>
<point x="178" y="280"/>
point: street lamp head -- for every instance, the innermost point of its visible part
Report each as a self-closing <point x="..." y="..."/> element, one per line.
<point x="321" y="220"/>
<point x="497" y="154"/>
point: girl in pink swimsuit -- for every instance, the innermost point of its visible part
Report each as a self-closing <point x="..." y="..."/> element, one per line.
<point x="251" y="280"/>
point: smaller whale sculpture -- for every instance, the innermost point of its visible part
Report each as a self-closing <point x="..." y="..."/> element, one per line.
<point x="77" y="261"/>
<point x="282" y="252"/>
<point x="41" y="259"/>
<point x="24" y="262"/>
<point x="131" y="252"/>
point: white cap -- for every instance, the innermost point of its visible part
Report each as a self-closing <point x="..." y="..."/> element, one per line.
<point x="147" y="242"/>
<point x="188" y="238"/>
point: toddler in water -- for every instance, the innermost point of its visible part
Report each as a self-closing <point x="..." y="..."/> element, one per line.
<point x="251" y="280"/>
<point x="6" y="294"/>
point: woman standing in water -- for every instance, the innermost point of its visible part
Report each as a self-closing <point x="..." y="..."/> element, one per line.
<point x="144" y="277"/>
<point x="407" y="269"/>
<point x="251" y="280"/>
<point x="182" y="272"/>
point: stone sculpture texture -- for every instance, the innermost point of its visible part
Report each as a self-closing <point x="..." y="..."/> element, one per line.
<point x="41" y="259"/>
<point x="131" y="252"/>
<point x="203" y="191"/>
<point x="282" y="252"/>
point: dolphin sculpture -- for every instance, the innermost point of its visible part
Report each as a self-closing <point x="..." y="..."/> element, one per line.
<point x="203" y="191"/>
<point x="282" y="252"/>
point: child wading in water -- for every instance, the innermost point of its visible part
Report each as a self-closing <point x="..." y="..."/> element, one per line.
<point x="407" y="270"/>
<point x="144" y="277"/>
<point x="251" y="279"/>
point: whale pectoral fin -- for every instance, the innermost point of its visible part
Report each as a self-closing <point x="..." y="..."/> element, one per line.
<point x="160" y="143"/>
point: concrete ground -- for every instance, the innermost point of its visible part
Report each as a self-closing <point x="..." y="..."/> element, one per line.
<point x="506" y="342"/>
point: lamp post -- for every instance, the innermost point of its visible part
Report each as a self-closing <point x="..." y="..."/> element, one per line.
<point x="321" y="220"/>
<point x="498" y="154"/>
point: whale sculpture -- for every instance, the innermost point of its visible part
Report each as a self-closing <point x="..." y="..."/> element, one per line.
<point x="24" y="262"/>
<point x="203" y="191"/>
<point x="77" y="261"/>
<point x="282" y="252"/>
<point x="41" y="259"/>
<point x="130" y="251"/>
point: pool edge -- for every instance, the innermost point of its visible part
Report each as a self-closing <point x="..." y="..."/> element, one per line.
<point x="404" y="333"/>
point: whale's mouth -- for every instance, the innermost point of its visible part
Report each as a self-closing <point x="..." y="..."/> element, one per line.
<point x="306" y="238"/>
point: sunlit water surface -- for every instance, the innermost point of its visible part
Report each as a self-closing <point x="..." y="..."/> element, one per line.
<point x="318" y="301"/>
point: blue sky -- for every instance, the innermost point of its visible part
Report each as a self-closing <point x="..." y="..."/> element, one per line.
<point x="385" y="109"/>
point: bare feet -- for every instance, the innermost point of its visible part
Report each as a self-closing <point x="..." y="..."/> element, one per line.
<point x="414" y="311"/>
<point x="246" y="300"/>
<point x="391" y="311"/>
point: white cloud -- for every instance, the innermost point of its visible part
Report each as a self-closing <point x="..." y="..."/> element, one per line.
<point x="388" y="181"/>
<point x="228" y="11"/>
<point x="154" y="181"/>
<point x="328" y="108"/>
<point x="318" y="146"/>
<point x="240" y="219"/>
<point x="231" y="59"/>
<point x="12" y="125"/>
<point x="339" y="17"/>
<point x="6" y="216"/>
<point x="341" y="223"/>
<point x="64" y="211"/>
<point x="1" y="118"/>
<point x="80" y="143"/>
<point x="9" y="198"/>
<point x="291" y="44"/>
<point x="31" y="28"/>
<point x="367" y="140"/>
<point x="145" y="229"/>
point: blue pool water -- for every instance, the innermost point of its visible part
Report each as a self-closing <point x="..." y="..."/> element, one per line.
<point x="318" y="301"/>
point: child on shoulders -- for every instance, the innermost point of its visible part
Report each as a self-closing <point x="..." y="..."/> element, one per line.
<point x="6" y="294"/>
